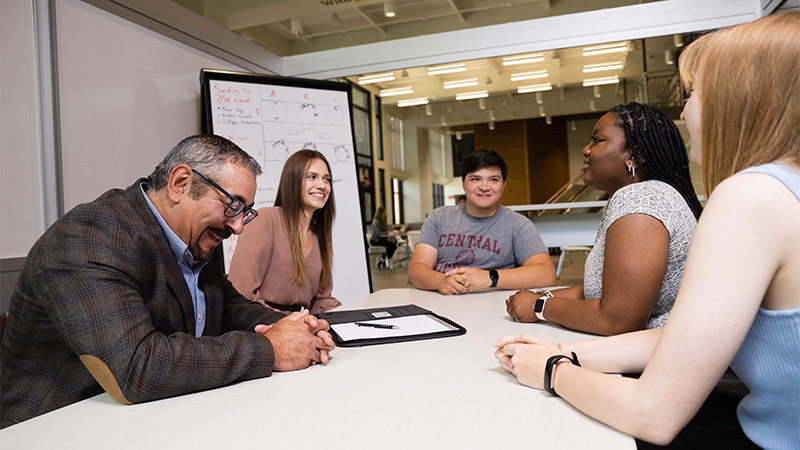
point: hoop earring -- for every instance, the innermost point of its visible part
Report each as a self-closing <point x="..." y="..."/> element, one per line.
<point x="632" y="170"/>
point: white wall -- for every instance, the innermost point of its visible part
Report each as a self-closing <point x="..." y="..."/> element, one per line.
<point x="21" y="204"/>
<point x="127" y="96"/>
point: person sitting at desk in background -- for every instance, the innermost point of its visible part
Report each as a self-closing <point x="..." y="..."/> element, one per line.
<point x="634" y="270"/>
<point x="379" y="237"/>
<point x="739" y="304"/>
<point x="124" y="294"/>
<point x="480" y="244"/>
<point x="283" y="260"/>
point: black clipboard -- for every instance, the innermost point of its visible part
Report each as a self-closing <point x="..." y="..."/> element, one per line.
<point x="377" y="314"/>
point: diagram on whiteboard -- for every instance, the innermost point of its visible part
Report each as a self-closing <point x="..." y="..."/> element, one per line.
<point x="342" y="153"/>
<point x="276" y="111"/>
<point x="272" y="122"/>
<point x="279" y="151"/>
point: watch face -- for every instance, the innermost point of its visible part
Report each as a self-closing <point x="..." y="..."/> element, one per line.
<point x="539" y="306"/>
<point x="493" y="275"/>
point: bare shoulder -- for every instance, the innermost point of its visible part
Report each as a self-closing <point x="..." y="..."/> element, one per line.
<point x="763" y="216"/>
<point x="751" y="187"/>
<point x="754" y="197"/>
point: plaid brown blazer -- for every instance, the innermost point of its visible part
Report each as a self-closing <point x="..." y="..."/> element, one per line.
<point x="101" y="290"/>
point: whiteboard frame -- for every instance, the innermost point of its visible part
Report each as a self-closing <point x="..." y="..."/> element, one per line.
<point x="347" y="263"/>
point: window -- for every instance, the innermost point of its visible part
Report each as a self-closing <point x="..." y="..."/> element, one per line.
<point x="395" y="142"/>
<point x="367" y="192"/>
<point x="379" y="127"/>
<point x="382" y="187"/>
<point x="461" y="149"/>
<point x="362" y="126"/>
<point x="436" y="149"/>
<point x="360" y="97"/>
<point x="397" y="201"/>
<point x="438" y="195"/>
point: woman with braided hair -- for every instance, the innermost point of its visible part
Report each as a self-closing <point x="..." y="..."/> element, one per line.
<point x="632" y="274"/>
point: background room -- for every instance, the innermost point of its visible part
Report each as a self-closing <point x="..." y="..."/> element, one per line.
<point x="94" y="92"/>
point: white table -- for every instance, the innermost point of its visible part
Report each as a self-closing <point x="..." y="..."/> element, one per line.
<point x="439" y="393"/>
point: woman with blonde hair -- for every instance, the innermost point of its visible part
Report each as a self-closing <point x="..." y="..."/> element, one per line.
<point x="283" y="259"/>
<point x="739" y="303"/>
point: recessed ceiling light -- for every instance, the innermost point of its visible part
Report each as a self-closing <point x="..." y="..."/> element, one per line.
<point x="604" y="49"/>
<point x="599" y="81"/>
<point x="525" y="59"/>
<point x="471" y="95"/>
<point x="397" y="91"/>
<point x="376" y="78"/>
<point x="460" y="83"/>
<point x="413" y="102"/>
<point x="534" y="88"/>
<point x="461" y="67"/>
<point x="602" y="66"/>
<point x="528" y="75"/>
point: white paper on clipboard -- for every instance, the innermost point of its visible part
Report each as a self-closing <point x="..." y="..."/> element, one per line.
<point x="406" y="326"/>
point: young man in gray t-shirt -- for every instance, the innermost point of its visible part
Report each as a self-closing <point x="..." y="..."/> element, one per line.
<point x="480" y="244"/>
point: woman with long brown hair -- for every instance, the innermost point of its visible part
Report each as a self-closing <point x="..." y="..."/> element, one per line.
<point x="283" y="259"/>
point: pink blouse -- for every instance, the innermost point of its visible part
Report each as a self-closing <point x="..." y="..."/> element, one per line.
<point x="262" y="267"/>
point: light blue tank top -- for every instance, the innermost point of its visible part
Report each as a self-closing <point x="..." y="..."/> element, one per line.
<point x="768" y="361"/>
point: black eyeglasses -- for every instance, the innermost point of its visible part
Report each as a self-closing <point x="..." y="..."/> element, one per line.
<point x="236" y="206"/>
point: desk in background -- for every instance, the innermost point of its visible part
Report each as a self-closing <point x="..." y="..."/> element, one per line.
<point x="445" y="393"/>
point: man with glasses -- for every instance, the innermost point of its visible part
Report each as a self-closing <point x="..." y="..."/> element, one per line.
<point x="123" y="294"/>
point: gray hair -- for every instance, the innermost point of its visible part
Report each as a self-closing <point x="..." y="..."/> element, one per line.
<point x="207" y="154"/>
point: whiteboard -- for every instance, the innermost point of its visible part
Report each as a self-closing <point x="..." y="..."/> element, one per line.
<point x="273" y="117"/>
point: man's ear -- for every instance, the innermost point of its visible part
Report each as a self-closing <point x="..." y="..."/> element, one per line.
<point x="179" y="183"/>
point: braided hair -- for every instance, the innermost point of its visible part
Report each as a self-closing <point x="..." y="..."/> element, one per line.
<point x="658" y="148"/>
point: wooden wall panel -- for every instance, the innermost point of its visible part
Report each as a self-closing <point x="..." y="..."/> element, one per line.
<point x="508" y="139"/>
<point x="548" y="161"/>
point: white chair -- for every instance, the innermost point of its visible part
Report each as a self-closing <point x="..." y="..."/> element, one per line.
<point x="565" y="252"/>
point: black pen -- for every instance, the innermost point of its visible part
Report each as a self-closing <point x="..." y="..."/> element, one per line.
<point x="376" y="325"/>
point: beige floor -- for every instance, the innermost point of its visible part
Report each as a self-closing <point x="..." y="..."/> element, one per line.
<point x="571" y="273"/>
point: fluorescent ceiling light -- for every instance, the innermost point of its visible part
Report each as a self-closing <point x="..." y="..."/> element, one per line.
<point x="460" y="83"/>
<point x="599" y="81"/>
<point x="413" y="102"/>
<point x="534" y="88"/>
<point x="471" y="95"/>
<point x="615" y="48"/>
<point x="603" y="66"/>
<point x="377" y="78"/>
<point x="528" y="75"/>
<point x="397" y="91"/>
<point x="513" y="60"/>
<point x="447" y="69"/>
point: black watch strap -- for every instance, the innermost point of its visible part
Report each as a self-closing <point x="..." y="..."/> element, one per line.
<point x="494" y="276"/>
<point x="548" y="370"/>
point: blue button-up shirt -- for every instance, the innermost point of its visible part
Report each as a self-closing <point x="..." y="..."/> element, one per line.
<point x="190" y="270"/>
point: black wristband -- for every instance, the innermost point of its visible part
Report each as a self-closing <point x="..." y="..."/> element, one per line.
<point x="494" y="276"/>
<point x="548" y="370"/>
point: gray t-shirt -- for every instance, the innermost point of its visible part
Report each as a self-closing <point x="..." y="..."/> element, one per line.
<point x="504" y="240"/>
<point x="659" y="200"/>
